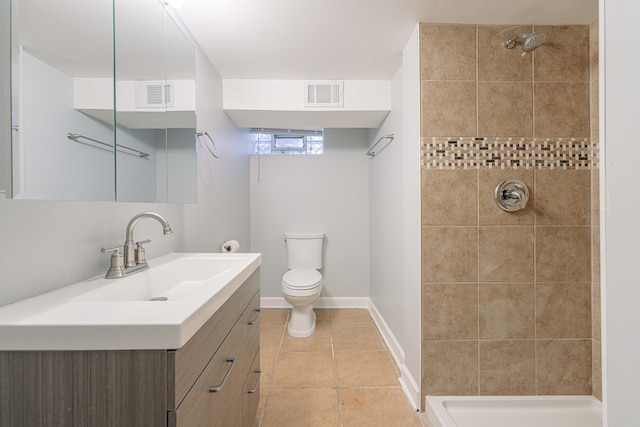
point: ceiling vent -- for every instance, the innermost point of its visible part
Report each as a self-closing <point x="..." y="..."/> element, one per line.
<point x="154" y="94"/>
<point x="324" y="94"/>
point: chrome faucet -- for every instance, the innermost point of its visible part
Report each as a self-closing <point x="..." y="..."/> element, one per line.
<point x="132" y="258"/>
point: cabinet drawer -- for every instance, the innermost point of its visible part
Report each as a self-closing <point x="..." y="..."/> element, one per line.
<point x="251" y="393"/>
<point x="226" y="372"/>
<point x="185" y="364"/>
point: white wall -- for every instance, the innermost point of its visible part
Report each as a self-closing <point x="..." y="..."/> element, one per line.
<point x="48" y="244"/>
<point x="51" y="165"/>
<point x="280" y="104"/>
<point x="394" y="179"/>
<point x="620" y="234"/>
<point x="328" y="193"/>
<point x="222" y="211"/>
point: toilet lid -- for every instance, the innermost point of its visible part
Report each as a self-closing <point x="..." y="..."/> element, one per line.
<point x="301" y="279"/>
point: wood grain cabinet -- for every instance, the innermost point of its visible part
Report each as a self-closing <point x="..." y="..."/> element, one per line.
<point x="213" y="380"/>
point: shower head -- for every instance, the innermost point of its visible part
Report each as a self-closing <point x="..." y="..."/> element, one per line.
<point x="530" y="42"/>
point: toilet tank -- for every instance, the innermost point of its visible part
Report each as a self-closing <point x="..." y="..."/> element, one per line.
<point x="304" y="250"/>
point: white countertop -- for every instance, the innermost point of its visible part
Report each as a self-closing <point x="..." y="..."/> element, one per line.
<point x="116" y="314"/>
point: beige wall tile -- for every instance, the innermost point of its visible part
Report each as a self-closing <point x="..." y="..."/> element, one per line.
<point x="595" y="197"/>
<point x="506" y="311"/>
<point x="557" y="104"/>
<point x="595" y="254"/>
<point x="563" y="254"/>
<point x="450" y="311"/>
<point x="561" y="110"/>
<point x="497" y="63"/>
<point x="448" y="108"/>
<point x="563" y="367"/>
<point x="449" y="254"/>
<point x="489" y="212"/>
<point x="385" y="407"/>
<point x="450" y="368"/>
<point x="563" y="310"/>
<point x="564" y="56"/>
<point x="507" y="368"/>
<point x="448" y="52"/>
<point x="449" y="197"/>
<point x="317" y="408"/>
<point x="594" y="106"/>
<point x="506" y="254"/>
<point x="594" y="49"/>
<point x="562" y="197"/>
<point x="596" y="355"/>
<point x="596" y="326"/>
<point x="505" y="109"/>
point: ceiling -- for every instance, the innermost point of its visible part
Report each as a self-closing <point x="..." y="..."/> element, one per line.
<point x="344" y="39"/>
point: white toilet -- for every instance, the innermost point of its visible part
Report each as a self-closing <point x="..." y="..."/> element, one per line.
<point x="301" y="285"/>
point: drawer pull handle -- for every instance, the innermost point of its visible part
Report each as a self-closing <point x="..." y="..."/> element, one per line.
<point x="253" y="322"/>
<point x="255" y="387"/>
<point x="217" y="388"/>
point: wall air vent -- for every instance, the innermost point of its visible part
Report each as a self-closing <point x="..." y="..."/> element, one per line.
<point x="154" y="94"/>
<point x="324" y="94"/>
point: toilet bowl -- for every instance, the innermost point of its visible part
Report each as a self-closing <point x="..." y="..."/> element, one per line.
<point x="302" y="283"/>
<point x="301" y="288"/>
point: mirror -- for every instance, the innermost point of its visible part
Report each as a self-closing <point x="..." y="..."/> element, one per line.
<point x="68" y="142"/>
<point x="155" y="106"/>
<point x="53" y="45"/>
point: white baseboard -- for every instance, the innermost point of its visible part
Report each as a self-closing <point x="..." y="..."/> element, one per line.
<point x="273" y="302"/>
<point x="407" y="382"/>
<point x="323" y="302"/>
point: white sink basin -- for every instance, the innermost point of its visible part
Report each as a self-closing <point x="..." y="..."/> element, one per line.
<point x="159" y="308"/>
<point x="177" y="280"/>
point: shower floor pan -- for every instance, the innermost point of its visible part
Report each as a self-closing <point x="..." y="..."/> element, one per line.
<point x="511" y="411"/>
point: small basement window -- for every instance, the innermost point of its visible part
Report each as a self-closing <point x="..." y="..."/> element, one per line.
<point x="288" y="141"/>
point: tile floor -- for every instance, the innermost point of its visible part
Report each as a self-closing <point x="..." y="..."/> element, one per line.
<point x="341" y="376"/>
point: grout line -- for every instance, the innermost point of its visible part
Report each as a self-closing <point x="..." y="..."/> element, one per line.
<point x="273" y="370"/>
<point x="335" y="369"/>
<point x="535" y="286"/>
<point x="478" y="273"/>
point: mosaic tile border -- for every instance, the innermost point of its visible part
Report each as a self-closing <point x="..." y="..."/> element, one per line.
<point x="505" y="152"/>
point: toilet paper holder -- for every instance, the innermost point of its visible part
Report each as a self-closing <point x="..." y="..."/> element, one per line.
<point x="230" y="246"/>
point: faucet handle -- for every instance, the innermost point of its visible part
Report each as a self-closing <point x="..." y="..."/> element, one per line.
<point x="142" y="242"/>
<point x="140" y="256"/>
<point x="116" y="269"/>
<point x="115" y="250"/>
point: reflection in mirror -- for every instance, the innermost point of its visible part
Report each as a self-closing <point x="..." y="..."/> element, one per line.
<point x="55" y="47"/>
<point x="155" y="106"/>
<point x="5" y="96"/>
<point x="62" y="102"/>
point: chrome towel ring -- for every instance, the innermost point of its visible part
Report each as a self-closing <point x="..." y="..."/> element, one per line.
<point x="203" y="135"/>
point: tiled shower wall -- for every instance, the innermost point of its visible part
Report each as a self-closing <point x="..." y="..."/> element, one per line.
<point x="506" y="296"/>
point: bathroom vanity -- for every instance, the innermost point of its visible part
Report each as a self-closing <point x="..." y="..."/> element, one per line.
<point x="212" y="379"/>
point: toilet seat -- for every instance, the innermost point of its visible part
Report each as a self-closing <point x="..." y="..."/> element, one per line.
<point x="301" y="279"/>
